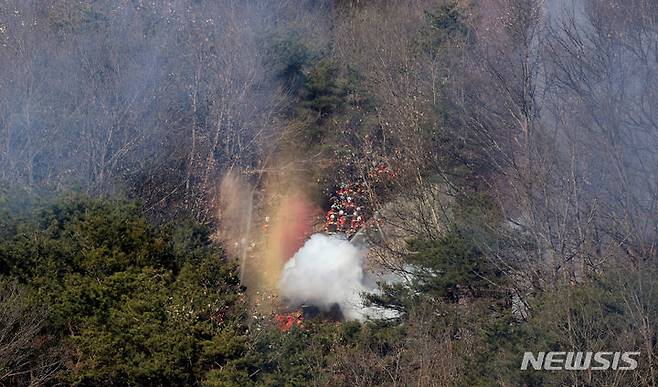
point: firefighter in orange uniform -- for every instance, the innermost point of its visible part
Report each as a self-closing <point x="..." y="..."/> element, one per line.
<point x="342" y="222"/>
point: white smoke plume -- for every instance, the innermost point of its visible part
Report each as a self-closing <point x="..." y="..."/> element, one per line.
<point x="328" y="270"/>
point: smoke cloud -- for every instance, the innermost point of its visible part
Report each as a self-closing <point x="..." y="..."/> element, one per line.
<point x="328" y="270"/>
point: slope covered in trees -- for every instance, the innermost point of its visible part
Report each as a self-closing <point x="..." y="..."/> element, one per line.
<point x="518" y="140"/>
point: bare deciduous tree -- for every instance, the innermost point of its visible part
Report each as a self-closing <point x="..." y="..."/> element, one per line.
<point x="27" y="357"/>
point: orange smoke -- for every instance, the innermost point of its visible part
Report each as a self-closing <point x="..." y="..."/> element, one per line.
<point x="266" y="216"/>
<point x="289" y="227"/>
<point x="295" y="218"/>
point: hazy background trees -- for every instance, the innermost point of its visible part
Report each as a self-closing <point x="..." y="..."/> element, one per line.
<point x="156" y="100"/>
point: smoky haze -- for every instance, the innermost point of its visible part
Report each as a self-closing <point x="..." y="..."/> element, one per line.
<point x="550" y="105"/>
<point x="154" y="98"/>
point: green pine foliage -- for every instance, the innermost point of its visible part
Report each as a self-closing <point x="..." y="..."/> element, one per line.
<point x="137" y="305"/>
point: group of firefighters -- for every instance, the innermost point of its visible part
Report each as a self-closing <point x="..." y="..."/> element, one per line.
<point x="381" y="172"/>
<point x="346" y="213"/>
